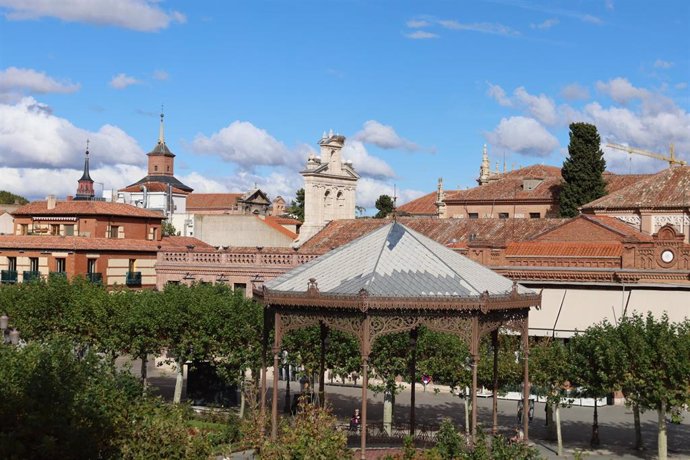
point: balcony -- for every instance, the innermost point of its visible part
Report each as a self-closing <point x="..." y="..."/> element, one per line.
<point x="31" y="275"/>
<point x="95" y="277"/>
<point x="8" y="277"/>
<point x="133" y="279"/>
<point x="57" y="275"/>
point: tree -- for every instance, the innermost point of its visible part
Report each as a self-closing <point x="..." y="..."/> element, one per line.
<point x="385" y="205"/>
<point x="596" y="355"/>
<point x="11" y="198"/>
<point x="169" y="228"/>
<point x="582" y="170"/>
<point x="389" y="358"/>
<point x="654" y="372"/>
<point x="550" y="369"/>
<point x="296" y="207"/>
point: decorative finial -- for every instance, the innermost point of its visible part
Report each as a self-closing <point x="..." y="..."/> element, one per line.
<point x="161" y="137"/>
<point x="87" y="146"/>
<point x="395" y="200"/>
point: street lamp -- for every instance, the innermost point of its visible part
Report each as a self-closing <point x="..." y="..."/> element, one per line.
<point x="11" y="337"/>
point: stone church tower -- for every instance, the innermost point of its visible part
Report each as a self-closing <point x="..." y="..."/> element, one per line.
<point x="330" y="186"/>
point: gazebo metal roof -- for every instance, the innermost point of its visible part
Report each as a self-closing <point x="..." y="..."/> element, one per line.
<point x="396" y="261"/>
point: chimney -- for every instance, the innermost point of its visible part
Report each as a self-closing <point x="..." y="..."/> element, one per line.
<point x="70" y="197"/>
<point x="51" y="201"/>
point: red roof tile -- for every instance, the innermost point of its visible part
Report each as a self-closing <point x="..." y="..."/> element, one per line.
<point x="276" y="226"/>
<point x="152" y="187"/>
<point x="79" y="208"/>
<point x="424" y="205"/>
<point x="284" y="220"/>
<point x="216" y="201"/>
<point x="669" y="188"/>
<point x="564" y="249"/>
<point x="445" y="231"/>
<point x="80" y="243"/>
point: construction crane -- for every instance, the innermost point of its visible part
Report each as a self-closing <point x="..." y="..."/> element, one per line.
<point x="672" y="160"/>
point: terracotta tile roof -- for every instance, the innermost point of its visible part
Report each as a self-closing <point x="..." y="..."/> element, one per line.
<point x="424" y="205"/>
<point x="79" y="208"/>
<point x="80" y="243"/>
<point x="510" y="186"/>
<point x="580" y="228"/>
<point x="203" y="201"/>
<point x="276" y="226"/>
<point x="615" y="182"/>
<point x="280" y="220"/>
<point x="619" y="226"/>
<point x="564" y="249"/>
<point x="445" y="231"/>
<point x="153" y="187"/>
<point x="669" y="188"/>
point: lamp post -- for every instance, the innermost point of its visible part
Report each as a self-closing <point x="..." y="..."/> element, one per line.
<point x="10" y="337"/>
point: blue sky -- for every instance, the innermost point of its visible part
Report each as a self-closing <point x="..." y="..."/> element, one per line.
<point x="249" y="87"/>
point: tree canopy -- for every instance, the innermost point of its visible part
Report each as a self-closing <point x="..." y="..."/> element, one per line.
<point x="582" y="170"/>
<point x="296" y="207"/>
<point x="11" y="198"/>
<point x="385" y="205"/>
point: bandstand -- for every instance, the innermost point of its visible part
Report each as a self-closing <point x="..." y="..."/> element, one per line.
<point x="394" y="280"/>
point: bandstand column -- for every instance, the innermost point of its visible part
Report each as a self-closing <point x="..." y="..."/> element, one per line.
<point x="276" y="363"/>
<point x="322" y="366"/>
<point x="365" y="345"/>
<point x="264" y="352"/>
<point x="526" y="384"/>
<point x="475" y="363"/>
<point x="494" y="343"/>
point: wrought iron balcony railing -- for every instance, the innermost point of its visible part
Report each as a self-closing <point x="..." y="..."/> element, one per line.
<point x="133" y="279"/>
<point x="8" y="276"/>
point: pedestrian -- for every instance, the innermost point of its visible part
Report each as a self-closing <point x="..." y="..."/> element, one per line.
<point x="355" y="421"/>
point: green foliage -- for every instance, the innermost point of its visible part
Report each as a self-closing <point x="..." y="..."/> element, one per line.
<point x="11" y="198"/>
<point x="389" y="358"/>
<point x="57" y="404"/>
<point x="449" y="442"/>
<point x="509" y="369"/>
<point x="385" y="205"/>
<point x="550" y="369"/>
<point x="503" y="449"/>
<point x="444" y="357"/>
<point x="296" y="207"/>
<point x="582" y="170"/>
<point x="311" y="435"/>
<point x="168" y="228"/>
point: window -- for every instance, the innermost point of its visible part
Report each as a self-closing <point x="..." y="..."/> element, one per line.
<point x="473" y="215"/>
<point x="12" y="263"/>
<point x="503" y="215"/>
<point x="23" y="229"/>
<point x="60" y="264"/>
<point x="91" y="265"/>
<point x="33" y="264"/>
<point x="114" y="231"/>
<point x="132" y="265"/>
<point x="534" y="215"/>
<point x="155" y="167"/>
<point x="242" y="287"/>
<point x="167" y="168"/>
<point x="69" y="230"/>
<point x="54" y="229"/>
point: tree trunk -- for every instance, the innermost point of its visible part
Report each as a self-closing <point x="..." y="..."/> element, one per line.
<point x="467" y="415"/>
<point x="595" y="426"/>
<point x="242" y="397"/>
<point x="144" y="373"/>
<point x="639" y="444"/>
<point x="388" y="412"/>
<point x="288" y="403"/>
<point x="558" y="430"/>
<point x="551" y="431"/>
<point x="177" y="398"/>
<point x="663" y="450"/>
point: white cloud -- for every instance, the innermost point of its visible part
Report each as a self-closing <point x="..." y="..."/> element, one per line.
<point x="592" y="19"/>
<point x="524" y="136"/>
<point x="31" y="136"/>
<point x="160" y="75"/>
<point x="541" y="107"/>
<point x="661" y="64"/>
<point x="37" y="183"/>
<point x="421" y="35"/>
<point x="141" y="15"/>
<point x="417" y="23"/>
<point x="364" y="163"/>
<point x="483" y="27"/>
<point x="122" y="81"/>
<point x="243" y="143"/>
<point x="15" y="79"/>
<point x="621" y="90"/>
<point x="575" y="91"/>
<point x="384" y="136"/>
<point x="547" y="24"/>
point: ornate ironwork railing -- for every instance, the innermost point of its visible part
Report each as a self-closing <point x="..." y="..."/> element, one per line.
<point x="133" y="279"/>
<point x="377" y="434"/>
<point x="31" y="275"/>
<point x="8" y="276"/>
<point x="95" y="277"/>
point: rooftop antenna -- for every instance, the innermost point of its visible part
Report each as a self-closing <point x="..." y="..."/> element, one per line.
<point x="161" y="137"/>
<point x="395" y="199"/>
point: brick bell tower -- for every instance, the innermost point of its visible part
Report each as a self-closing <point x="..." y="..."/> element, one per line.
<point x="161" y="159"/>
<point x="85" y="187"/>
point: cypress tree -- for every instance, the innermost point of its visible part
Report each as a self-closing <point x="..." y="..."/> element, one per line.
<point x="582" y="170"/>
